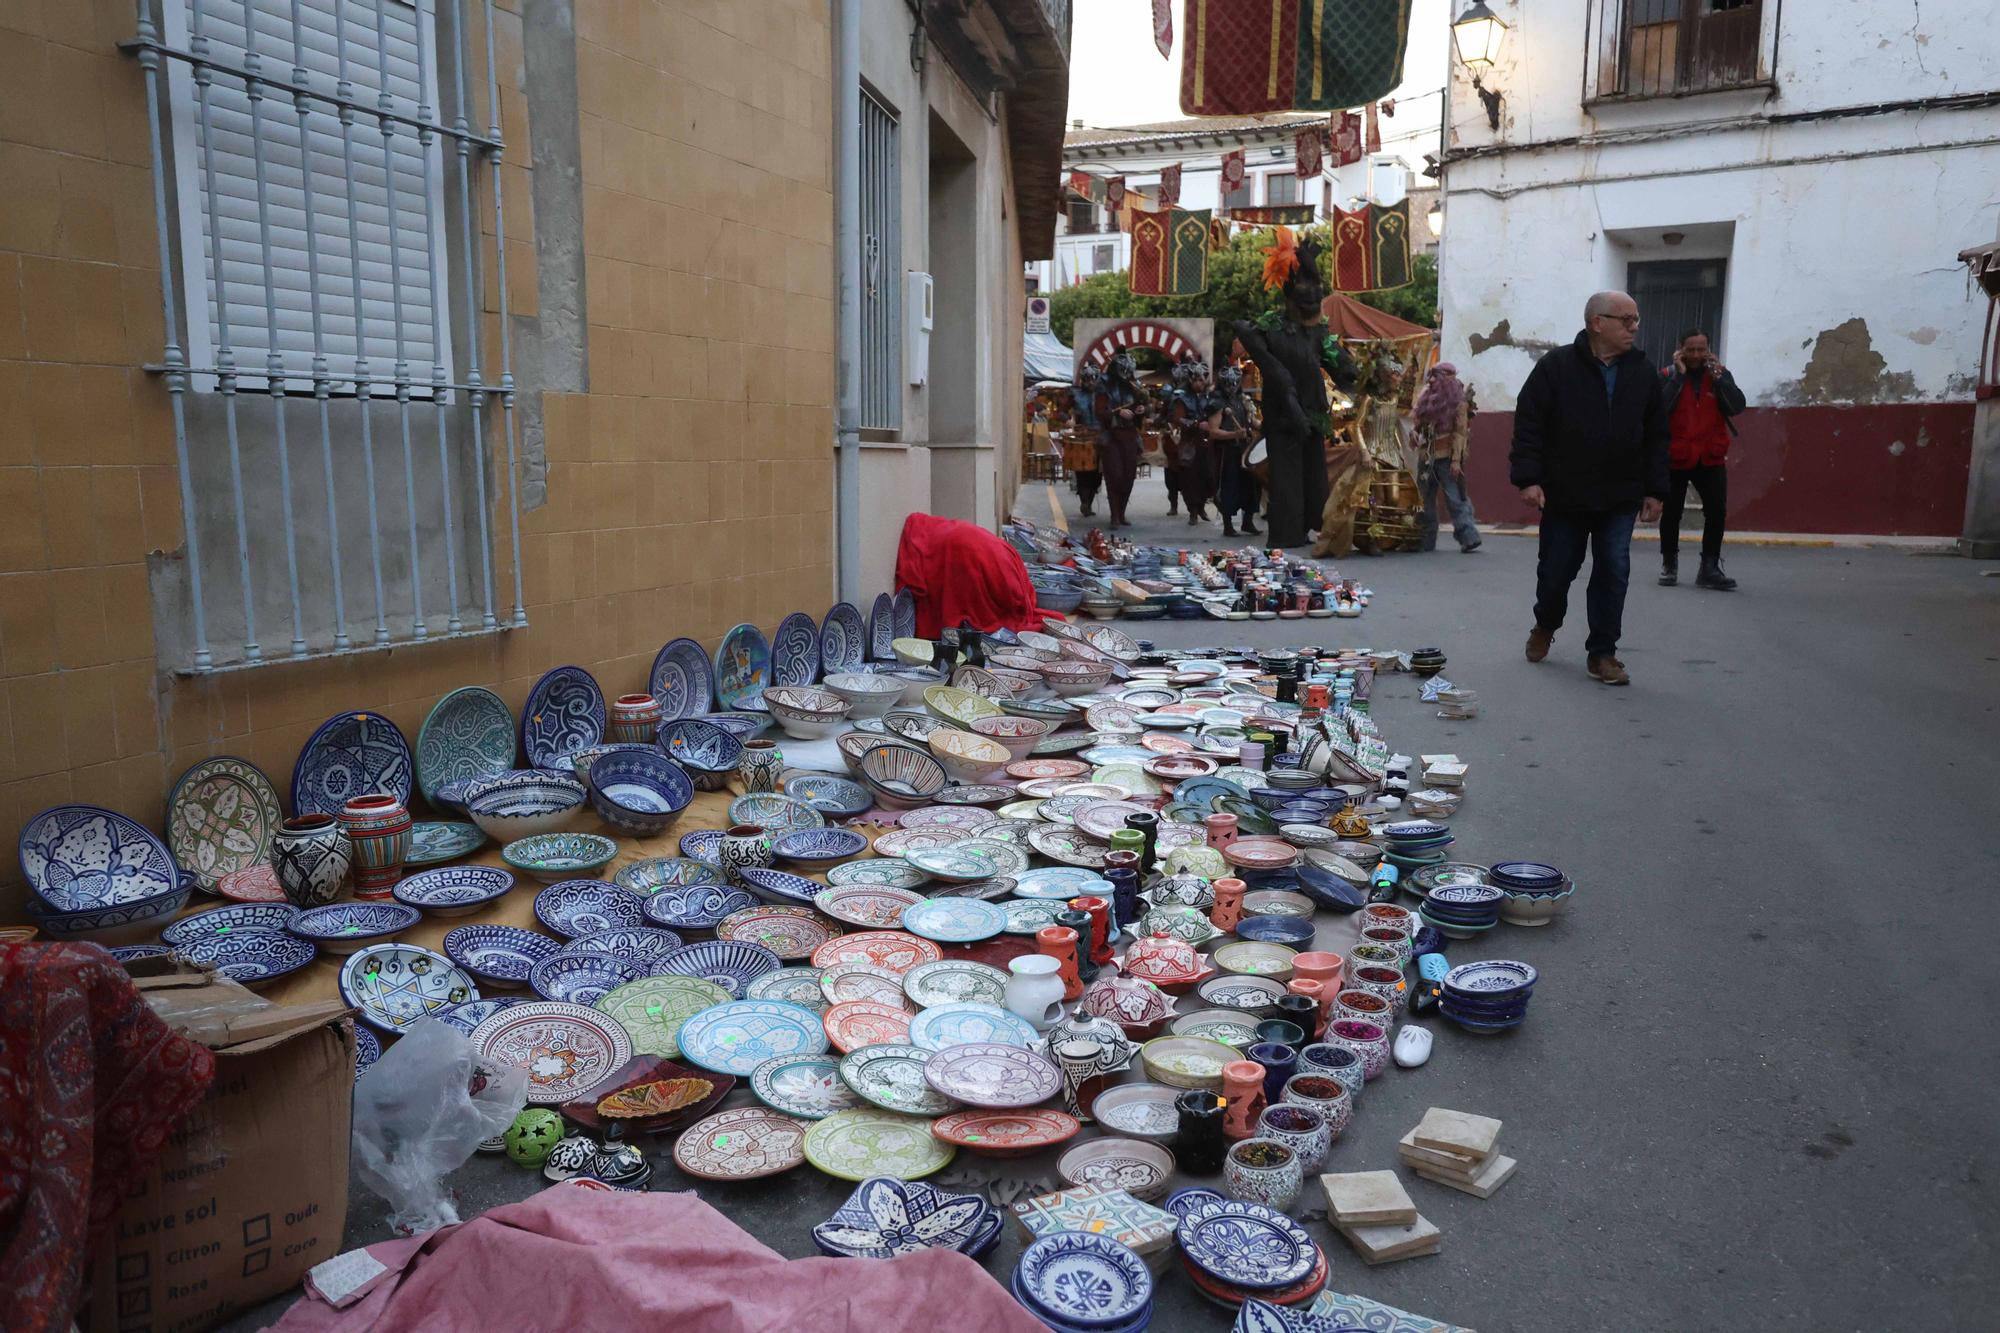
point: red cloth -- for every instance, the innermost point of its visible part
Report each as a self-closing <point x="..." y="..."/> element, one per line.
<point x="91" y="1085"/>
<point x="961" y="572"/>
<point x="584" y="1258"/>
<point x="1698" y="433"/>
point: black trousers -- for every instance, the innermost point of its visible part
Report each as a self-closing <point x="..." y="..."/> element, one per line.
<point x="1711" y="483"/>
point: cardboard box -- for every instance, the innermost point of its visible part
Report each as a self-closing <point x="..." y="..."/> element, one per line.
<point x="251" y="1191"/>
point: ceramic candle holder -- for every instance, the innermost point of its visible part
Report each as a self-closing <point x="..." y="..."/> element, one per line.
<point x="1228" y="909"/>
<point x="1280" y="1062"/>
<point x="1035" y="989"/>
<point x="1388" y="937"/>
<point x="1200" y="1142"/>
<point x="1281" y="1032"/>
<point x="1371" y="955"/>
<point x="1243" y="1091"/>
<point x="1366" y="1040"/>
<point x="1060" y="943"/>
<point x="1309" y="990"/>
<point x="1221" y="830"/>
<point x="1364" y="1006"/>
<point x="1148" y="826"/>
<point x="1263" y="1171"/>
<point x="1082" y="1065"/>
<point x="1099" y="911"/>
<point x="1079" y="924"/>
<point x="1384" y="982"/>
<point x="1301" y="1011"/>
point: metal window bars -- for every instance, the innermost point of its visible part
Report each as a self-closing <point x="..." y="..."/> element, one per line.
<point x="346" y="390"/>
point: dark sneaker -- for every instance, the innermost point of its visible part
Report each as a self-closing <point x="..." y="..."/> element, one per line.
<point x="1539" y="640"/>
<point x="1251" y="529"/>
<point x="1670" y="574"/>
<point x="1712" y="577"/>
<point x="1608" y="669"/>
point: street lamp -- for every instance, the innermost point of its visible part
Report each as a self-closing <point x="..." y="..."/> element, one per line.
<point x="1477" y="33"/>
<point x="1436" y="219"/>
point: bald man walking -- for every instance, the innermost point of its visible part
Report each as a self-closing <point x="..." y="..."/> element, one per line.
<point x="1590" y="454"/>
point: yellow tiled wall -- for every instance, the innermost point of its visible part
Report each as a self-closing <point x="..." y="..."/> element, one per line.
<point x="688" y="489"/>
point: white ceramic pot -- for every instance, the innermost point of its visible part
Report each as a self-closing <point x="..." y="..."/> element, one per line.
<point x="1035" y="991"/>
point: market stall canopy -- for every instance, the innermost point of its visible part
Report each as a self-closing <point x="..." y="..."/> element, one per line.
<point x="1348" y="318"/>
<point x="1044" y="357"/>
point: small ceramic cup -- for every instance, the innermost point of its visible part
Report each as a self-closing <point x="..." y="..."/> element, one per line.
<point x="1366" y="1006"/>
<point x="1280" y="1062"/>
<point x="1263" y="1171"/>
<point x="1371" y="955"/>
<point x="1340" y="1063"/>
<point x="1388" y="914"/>
<point x="1389" y="937"/>
<point x="1327" y="1095"/>
<point x="1281" y="1032"/>
<point x="1301" y="1126"/>
<point x="1367" y="1040"/>
<point x="1385" y="982"/>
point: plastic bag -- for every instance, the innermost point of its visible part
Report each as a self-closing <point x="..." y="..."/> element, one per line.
<point x="420" y="1111"/>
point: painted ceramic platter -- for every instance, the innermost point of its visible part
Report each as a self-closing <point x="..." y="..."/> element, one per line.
<point x="1246" y="1244"/>
<point x="566" y="1048"/>
<point x="1012" y="832"/>
<point x="1027" y="812"/>
<point x="221" y="817"/>
<point x="901" y="842"/>
<point x="393" y="985"/>
<point x="652" y="1009"/>
<point x="1492" y="977"/>
<point x="794" y="985"/>
<point x="775" y="812"/>
<point x="817" y="846"/>
<point x="1145" y="1110"/>
<point x="974" y="794"/>
<point x="1007" y="1133"/>
<point x="888" y="871"/>
<point x="903" y="613"/>
<point x="969" y="859"/>
<point x="367" y="1050"/>
<point x="742" y="666"/>
<point x="795" y="651"/>
<point x="1059" y="883"/>
<point x="468" y="1016"/>
<point x="704" y="845"/>
<point x="829" y="795"/>
<point x="1107" y="817"/>
<point x="694" y="907"/>
<point x="864" y="1142"/>
<point x="1068" y="846"/>
<point x="781" y="886"/>
<point x="504" y="955"/>
<point x="1062" y="742"/>
<point x="846" y="983"/>
<point x="853" y="1024"/>
<point x="789" y="932"/>
<point x="842" y="640"/>
<point x="955" y="920"/>
<point x="252" y="884"/>
<point x="648" y="877"/>
<point x="454" y="890"/>
<point x="735" y="1038"/>
<point x="1139" y="1168"/>
<point x="1068" y="803"/>
<point x="954" y="981"/>
<point x="1105" y="716"/>
<point x="992" y="1074"/>
<point x="434" y="841"/>
<point x="942" y="816"/>
<point x="682" y="681"/>
<point x="966" y="1024"/>
<point x="882" y="628"/>
<point x="576" y="907"/>
<point x="1187" y="1062"/>
<point x="1029" y="770"/>
<point x="741" y="1144"/>
<point x="565" y="712"/>
<point x="696" y="1092"/>
<point x="251" y="957"/>
<point x="468" y="735"/>
<point x="1025" y="916"/>
<point x="891" y="1076"/>
<point x="644" y="945"/>
<point x="890" y="949"/>
<point x="730" y="964"/>
<point x="868" y="906"/>
<point x="352" y="754"/>
<point x="1260" y="854"/>
<point x="222" y="921"/>
<point x="805" y="1086"/>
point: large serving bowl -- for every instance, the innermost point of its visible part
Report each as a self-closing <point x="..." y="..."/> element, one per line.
<point x="968" y="756"/>
<point x="806" y="712"/>
<point x="708" y="752"/>
<point x="1071" y="678"/>
<point x="115" y="924"/>
<point x="913" y="652"/>
<point x="853" y="744"/>
<point x="523" y="802"/>
<point x="640" y="792"/>
<point x="914" y="680"/>
<point x="902" y="777"/>
<point x="552" y="857"/>
<point x="78" y="858"/>
<point x="1018" y="734"/>
<point x="581" y="760"/>
<point x="868" y="693"/>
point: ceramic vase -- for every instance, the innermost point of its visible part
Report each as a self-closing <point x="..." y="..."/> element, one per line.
<point x="1327" y="969"/>
<point x="1228" y="909"/>
<point x="1221" y="830"/>
<point x="1303" y="1128"/>
<point x="1342" y="1064"/>
<point x="1148" y="826"/>
<point x="1200" y="1141"/>
<point x="760" y="766"/>
<point x="1082" y="1063"/>
<point x="1263" y="1171"/>
<point x="1035" y="988"/>
<point x="1243" y="1094"/>
<point x="1333" y="1099"/>
<point x="1125" y="904"/>
<point x="1366" y="1040"/>
<point x="1310" y="989"/>
<point x="1279" y="1062"/>
<point x="311" y="855"/>
<point x="1099" y="911"/>
<point x="746" y="847"/>
<point x="1077" y="921"/>
<point x="633" y="719"/>
<point x="1061" y="944"/>
<point x="378" y="829"/>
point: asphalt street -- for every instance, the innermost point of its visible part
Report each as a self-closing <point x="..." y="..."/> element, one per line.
<point x="1755" y="1090"/>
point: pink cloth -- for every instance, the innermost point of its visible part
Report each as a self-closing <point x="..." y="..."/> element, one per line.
<point x="578" y="1258"/>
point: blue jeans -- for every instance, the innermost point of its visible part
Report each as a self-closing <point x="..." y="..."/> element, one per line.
<point x="1566" y="536"/>
<point x="1436" y="480"/>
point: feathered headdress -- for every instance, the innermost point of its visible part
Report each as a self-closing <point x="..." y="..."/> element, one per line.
<point x="1281" y="260"/>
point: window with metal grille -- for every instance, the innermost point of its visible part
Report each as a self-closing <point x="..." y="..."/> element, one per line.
<point x="1082" y="217"/>
<point x="1281" y="187"/>
<point x="1675" y="296"/>
<point x="1672" y="48"/>
<point x="881" y="268"/>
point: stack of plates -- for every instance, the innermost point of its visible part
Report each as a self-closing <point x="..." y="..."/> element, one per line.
<point x="1082" y="1281"/>
<point x="1419" y="841"/>
<point x="1491" y="996"/>
<point x="886" y="1217"/>
<point x="1535" y="892"/>
<point x="1463" y="910"/>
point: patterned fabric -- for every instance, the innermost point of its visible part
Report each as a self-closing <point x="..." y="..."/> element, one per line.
<point x="1170" y="253"/>
<point x="91" y="1085"/>
<point x="1353" y="269"/>
<point x="1114" y="193"/>
<point x="1373" y="135"/>
<point x="1308" y="150"/>
<point x="1232" y="171"/>
<point x="1275" y="215"/>
<point x="1079" y="183"/>
<point x="1170" y="185"/>
<point x="1389" y="241"/>
<point x="1248" y="57"/>
<point x="1163" y="28"/>
<point x="1346" y="139"/>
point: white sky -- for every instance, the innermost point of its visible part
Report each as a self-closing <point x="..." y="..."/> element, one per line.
<point x="1117" y="78"/>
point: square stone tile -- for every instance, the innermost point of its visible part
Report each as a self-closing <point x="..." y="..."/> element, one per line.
<point x="1386" y="1244"/>
<point x="1483" y="1185"/>
<point x="1367" y="1198"/>
<point x="1432" y="1158"/>
<point x="1459" y="1132"/>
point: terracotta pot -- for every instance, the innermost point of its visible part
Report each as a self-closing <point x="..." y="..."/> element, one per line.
<point x="378" y="828"/>
<point x="1243" y="1091"/>
<point x="1228" y="909"/>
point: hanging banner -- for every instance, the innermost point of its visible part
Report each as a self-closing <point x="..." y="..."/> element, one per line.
<point x="1346" y="139"/>
<point x="1079" y="183"/>
<point x="1274" y="215"/>
<point x="1389" y="237"/>
<point x="1170" y="185"/>
<point x="1308" y="147"/>
<point x="1100" y="189"/>
<point x="1114" y="193"/>
<point x="1248" y="57"/>
<point x="1163" y="27"/>
<point x="1170" y="253"/>
<point x="1233" y="172"/>
<point x="1373" y="138"/>
<point x="1353" y="267"/>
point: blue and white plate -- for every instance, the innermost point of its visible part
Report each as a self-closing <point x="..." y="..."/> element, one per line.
<point x="132" y="953"/>
<point x="682" y="680"/>
<point x="565" y="712"/>
<point x="965" y="1023"/>
<point x="694" y="906"/>
<point x="1060" y="883"/>
<point x="795" y="651"/>
<point x="1246" y="1244"/>
<point x="781" y="886"/>
<point x="704" y="845"/>
<point x="742" y="666"/>
<point x="882" y="628"/>
<point x="251" y="957"/>
<point x="644" y="945"/>
<point x="1287" y="930"/>
<point x="1086" y="1278"/>
<point x="352" y="754"/>
<point x="465" y="1017"/>
<point x="774" y="812"/>
<point x="829" y="795"/>
<point x="80" y="857"/>
<point x="740" y="725"/>
<point x="816" y="846"/>
<point x="1471" y="896"/>
<point x="367" y="1050"/>
<point x="437" y="840"/>
<point x="886" y="1217"/>
<point x="345" y="927"/>
<point x="737" y="1037"/>
<point x="393" y="985"/>
<point x="806" y="1086"/>
<point x="903" y="613"/>
<point x="1527" y="875"/>
<point x="468" y="735"/>
<point x="955" y="920"/>
<point x="1495" y="977"/>
<point x="648" y="877"/>
<point x="501" y="954"/>
<point x="582" y="978"/>
<point x="454" y="890"/>
<point x="585" y="906"/>
<point x="1184" y="1201"/>
<point x="842" y="640"/>
<point x="730" y="964"/>
<point x="229" y="921"/>
<point x="1025" y="916"/>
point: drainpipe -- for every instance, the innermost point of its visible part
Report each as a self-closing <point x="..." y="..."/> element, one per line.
<point x="847" y="269"/>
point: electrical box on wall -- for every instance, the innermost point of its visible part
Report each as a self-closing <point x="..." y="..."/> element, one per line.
<point x="917" y="320"/>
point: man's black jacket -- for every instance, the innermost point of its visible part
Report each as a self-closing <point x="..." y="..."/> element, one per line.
<point x="1583" y="451"/>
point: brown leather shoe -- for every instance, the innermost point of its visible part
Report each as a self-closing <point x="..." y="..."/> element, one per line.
<point x="1539" y="640"/>
<point x="1608" y="669"/>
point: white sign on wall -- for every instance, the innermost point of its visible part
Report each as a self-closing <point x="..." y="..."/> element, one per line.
<point x="1038" y="314"/>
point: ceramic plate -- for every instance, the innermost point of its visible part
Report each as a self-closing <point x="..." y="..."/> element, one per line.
<point x="1260" y="854"/>
<point x="367" y="1050"/>
<point x="864" y="1142"/>
<point x="794" y="985"/>
<point x="1028" y="770"/>
<point x="468" y="735"/>
<point x="819" y="846"/>
<point x="585" y="906"/>
<point x="1068" y="846"/>
<point x="644" y="945"/>
<point x="975" y="794"/>
<point x="903" y="613"/>
<point x="942" y="816"/>
<point x="954" y="981"/>
<point x="1007" y="1133"/>
<point x="789" y="932"/>
<point x="704" y="1087"/>
<point x="960" y="706"/>
<point x="955" y="920"/>
<point x="775" y="812"/>
<point x="891" y="1076"/>
<point x="1060" y="883"/>
<point x="434" y="841"/>
<point x="468" y="1016"/>
<point x="351" y="923"/>
<point x="694" y="907"/>
<point x="566" y="1048"/>
<point x="1246" y="1244"/>
<point x="1013" y="832"/>
<point x="652" y="1009"/>
<point x="352" y="754"/>
<point x="1068" y="803"/>
<point x="565" y="712"/>
<point x="842" y="640"/>
<point x="965" y="1024"/>
<point x="735" y="1038"/>
<point x="1085" y="1279"/>
<point x="221" y="817"/>
<point x="1107" y="817"/>
<point x="805" y="1086"/>
<point x="253" y="884"/>
<point x="500" y="954"/>
<point x="882" y="628"/>
<point x="969" y="859"/>
<point x="682" y="682"/>
<point x="454" y="890"/>
<point x="221" y="921"/>
<point x="251" y="957"/>
<point x="742" y="666"/>
<point x="648" y="877"/>
<point x="857" y="1023"/>
<point x="889" y="949"/>
<point x="393" y="985"/>
<point x="829" y="795"/>
<point x="781" y="886"/>
<point x="871" y="907"/>
<point x="1141" y="1169"/>
<point x="845" y="983"/>
<point x="991" y="1074"/>
<point x="887" y="871"/>
<point x="730" y="964"/>
<point x="795" y="651"/>
<point x="1025" y="916"/>
<point x="902" y="842"/>
<point x="741" y="1144"/>
<point x="1064" y="742"/>
<point x="1144" y="1109"/>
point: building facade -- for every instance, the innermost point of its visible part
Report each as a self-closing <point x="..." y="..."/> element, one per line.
<point x="1792" y="179"/>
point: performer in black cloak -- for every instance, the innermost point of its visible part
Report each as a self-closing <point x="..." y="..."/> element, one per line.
<point x="1291" y="345"/>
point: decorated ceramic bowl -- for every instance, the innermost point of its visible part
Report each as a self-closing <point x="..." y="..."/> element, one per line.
<point x="523" y="802"/>
<point x="640" y="792"/>
<point x="901" y="777"/>
<point x="867" y="693"/>
<point x="552" y="857"/>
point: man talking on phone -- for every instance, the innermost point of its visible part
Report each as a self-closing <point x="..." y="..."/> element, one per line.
<point x="1590" y="454"/>
<point x="1701" y="401"/>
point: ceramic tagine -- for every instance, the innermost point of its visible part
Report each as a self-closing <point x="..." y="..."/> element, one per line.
<point x="1118" y="1049"/>
<point x="1139" y="1007"/>
<point x="1166" y="962"/>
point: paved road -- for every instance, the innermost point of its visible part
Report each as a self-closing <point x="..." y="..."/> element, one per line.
<point x="1756" y="1088"/>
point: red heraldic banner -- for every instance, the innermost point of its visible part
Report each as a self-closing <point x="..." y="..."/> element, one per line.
<point x="1170" y="253"/>
<point x="1248" y="57"/>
